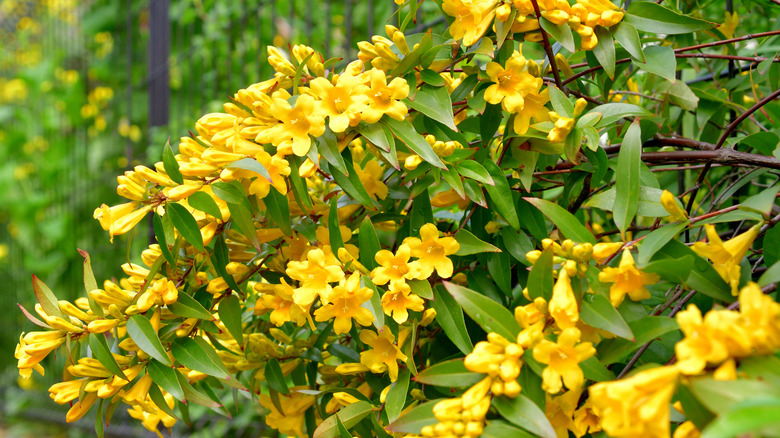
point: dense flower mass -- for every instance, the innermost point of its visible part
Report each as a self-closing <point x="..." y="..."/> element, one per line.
<point x="396" y="245"/>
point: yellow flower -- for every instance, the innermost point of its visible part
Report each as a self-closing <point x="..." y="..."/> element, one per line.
<point x="726" y="256"/>
<point x="672" y="206"/>
<point x="761" y="315"/>
<point x="371" y="177"/>
<point x="314" y="274"/>
<point x="533" y="107"/>
<point x="81" y="407"/>
<point x="687" y="429"/>
<point x="121" y="218"/>
<point x="342" y="102"/>
<point x="399" y="300"/>
<point x="161" y="292"/>
<point x="383" y="355"/>
<point x="637" y="406"/>
<point x="562" y="127"/>
<point x="562" y="358"/>
<point x="432" y="251"/>
<point x="628" y="280"/>
<point x="291" y="419"/>
<point x="563" y="304"/>
<point x="512" y="83"/>
<point x="394" y="268"/>
<point x="560" y="410"/>
<point x="585" y="420"/>
<point x="298" y="123"/>
<point x="345" y="301"/>
<point x="278" y="298"/>
<point x="701" y="345"/>
<point x="383" y="97"/>
<point x="472" y="18"/>
<point x="35" y="346"/>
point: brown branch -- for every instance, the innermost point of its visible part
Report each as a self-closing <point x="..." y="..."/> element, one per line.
<point x="548" y="47"/>
<point x="730" y="40"/>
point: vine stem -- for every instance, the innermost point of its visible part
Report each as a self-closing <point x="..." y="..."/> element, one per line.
<point x="548" y="47"/>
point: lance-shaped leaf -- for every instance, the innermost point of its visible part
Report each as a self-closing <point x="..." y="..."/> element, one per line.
<point x="369" y="243"/>
<point x="501" y="429"/>
<point x="414" y="420"/>
<point x="501" y="195"/>
<point x="540" y="280"/>
<point x="627" y="179"/>
<point x="449" y="315"/>
<point x="298" y="185"/>
<point x="189" y="307"/>
<point x="490" y="315"/>
<point x="656" y="240"/>
<point x="241" y="217"/>
<point x="101" y="352"/>
<point x="565" y="221"/>
<point x="162" y="240"/>
<point x="644" y="329"/>
<point x="628" y="37"/>
<point x="521" y="411"/>
<point x="327" y="145"/>
<point x="472" y="169"/>
<point x="352" y="185"/>
<point x="230" y="314"/>
<point x="171" y="165"/>
<point x="349" y="417"/>
<point x="451" y="373"/>
<point x="145" y="336"/>
<point x="275" y="377"/>
<point x="653" y="18"/>
<point x="612" y="112"/>
<point x="166" y="377"/>
<point x="659" y="60"/>
<point x="598" y="312"/>
<point x="560" y="32"/>
<point x="413" y="140"/>
<point x="470" y="244"/>
<point x="605" y="50"/>
<point x="192" y="355"/>
<point x="205" y="203"/>
<point x="251" y="165"/>
<point x="185" y="224"/>
<point x="435" y="103"/>
<point x="752" y="416"/>
<point x="46" y="298"/>
<point x="279" y="210"/>
<point x="90" y="284"/>
<point x="396" y="396"/>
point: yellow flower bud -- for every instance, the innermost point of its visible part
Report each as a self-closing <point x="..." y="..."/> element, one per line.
<point x="673" y="207"/>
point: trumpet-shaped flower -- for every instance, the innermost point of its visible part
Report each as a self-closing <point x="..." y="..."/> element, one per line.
<point x="371" y="177"/>
<point x="290" y="419"/>
<point x="35" y="346"/>
<point x="563" y="304"/>
<point x="121" y="218"/>
<point x="383" y="97"/>
<point x="315" y="274"/>
<point x="432" y="251"/>
<point x="278" y="299"/>
<point x="628" y="280"/>
<point x="636" y="406"/>
<point x="394" y="268"/>
<point x="384" y="353"/>
<point x="345" y="304"/>
<point x="512" y="83"/>
<point x="562" y="359"/>
<point x="726" y="256"/>
<point x="472" y="18"/>
<point x="342" y="102"/>
<point x="298" y="123"/>
<point x="399" y="300"/>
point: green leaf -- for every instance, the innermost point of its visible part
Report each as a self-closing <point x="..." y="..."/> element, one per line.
<point x="275" y="377"/>
<point x="171" y="165"/>
<point x="220" y="259"/>
<point x="195" y="396"/>
<point x="343" y="432"/>
<point x="627" y="177"/>
<point x="159" y="233"/>
<point x="189" y="307"/>
<point x="465" y="88"/>
<point x="561" y="104"/>
<point x="431" y="77"/>
<point x="251" y="165"/>
<point x="762" y="202"/>
<point x="241" y="217"/>
<point x="470" y="244"/>
<point x="521" y="411"/>
<point x="409" y="61"/>
<point x="502" y="429"/>
<point x="328" y="146"/>
<point x="435" y="103"/>
<point x="472" y="169"/>
<point x="165" y="376"/>
<point x="101" y="352"/>
<point x="414" y="420"/>
<point x="490" y="315"/>
<point x="475" y="193"/>
<point x="648" y="201"/>
<point x="449" y="315"/>
<point x="540" y="279"/>
<point x="569" y="225"/>
<point x="369" y="243"/>
<point x="560" y="32"/>
<point x="605" y="50"/>
<point x="517" y="244"/>
<point x="278" y="209"/>
<point x="421" y="288"/>
<point x="598" y="312"/>
<point x="703" y="278"/>
<point x="396" y="396"/>
<point x="659" y="60"/>
<point x="378" y="134"/>
<point x="451" y="373"/>
<point x="349" y="417"/>
<point x="90" y="283"/>
<point x="722" y="396"/>
<point x="352" y="185"/>
<point x="451" y="177"/>
<point x="298" y="185"/>
<point x="185" y="224"/>
<point x="374" y="304"/>
<point x="612" y="112"/>
<point x="413" y="140"/>
<point x="656" y="240"/>
<point x="231" y="192"/>
<point x="192" y="355"/>
<point x="753" y="416"/>
<point x="501" y="195"/>
<point x="230" y="314"/>
<point x="628" y="37"/>
<point x="145" y="336"/>
<point x="644" y="329"/>
<point x="46" y="298"/>
<point x="653" y="18"/>
<point x="594" y="370"/>
<point x="771" y="275"/>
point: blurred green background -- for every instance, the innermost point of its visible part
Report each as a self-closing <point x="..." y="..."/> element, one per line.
<point x="84" y="96"/>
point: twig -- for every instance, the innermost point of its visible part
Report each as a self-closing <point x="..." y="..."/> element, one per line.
<point x="548" y="48"/>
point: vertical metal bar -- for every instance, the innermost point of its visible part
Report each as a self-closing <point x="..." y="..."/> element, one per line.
<point x="244" y="44"/>
<point x="129" y="81"/>
<point x="159" y="51"/>
<point x="309" y="25"/>
<point x="370" y="19"/>
<point x="328" y="30"/>
<point x="292" y="22"/>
